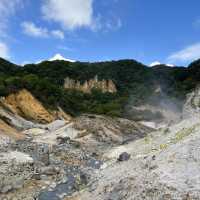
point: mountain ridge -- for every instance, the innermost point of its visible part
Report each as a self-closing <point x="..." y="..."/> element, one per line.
<point x="135" y="82"/>
<point x="154" y="156"/>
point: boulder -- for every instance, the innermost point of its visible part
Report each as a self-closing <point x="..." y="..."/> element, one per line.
<point x="63" y="140"/>
<point x="50" y="170"/>
<point x="124" y="157"/>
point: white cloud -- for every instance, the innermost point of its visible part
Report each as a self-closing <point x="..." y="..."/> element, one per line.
<point x="11" y="4"/>
<point x="4" y="51"/>
<point x="113" y="24"/>
<point x="106" y="24"/>
<point x="75" y="14"/>
<point x="187" y="54"/>
<point x="7" y="8"/>
<point x="29" y="28"/>
<point x="58" y="34"/>
<point x="65" y="48"/>
<point x="71" y="14"/>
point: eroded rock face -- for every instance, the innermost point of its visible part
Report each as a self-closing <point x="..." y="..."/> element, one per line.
<point x="26" y="105"/>
<point x="192" y="104"/>
<point x="87" y="86"/>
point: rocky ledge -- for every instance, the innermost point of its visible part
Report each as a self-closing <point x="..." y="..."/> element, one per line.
<point x="88" y="85"/>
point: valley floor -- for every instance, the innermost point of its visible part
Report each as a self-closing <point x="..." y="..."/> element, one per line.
<point x="51" y="162"/>
<point x="79" y="160"/>
<point x="96" y="157"/>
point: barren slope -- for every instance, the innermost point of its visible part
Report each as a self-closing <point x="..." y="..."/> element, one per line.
<point x="26" y="105"/>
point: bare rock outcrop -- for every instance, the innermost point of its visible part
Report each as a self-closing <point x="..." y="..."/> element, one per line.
<point x="87" y="86"/>
<point x="61" y="114"/>
<point x="192" y="105"/>
<point x="24" y="104"/>
<point x="15" y="121"/>
<point x="97" y="132"/>
<point x="8" y="131"/>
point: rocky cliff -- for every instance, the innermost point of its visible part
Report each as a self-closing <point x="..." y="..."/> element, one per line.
<point x="87" y="86"/>
<point x="24" y="104"/>
<point x="192" y="105"/>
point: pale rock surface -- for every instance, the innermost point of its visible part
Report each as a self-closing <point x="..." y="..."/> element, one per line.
<point x="192" y="105"/>
<point x="163" y="165"/>
<point x="87" y="86"/>
<point x="17" y="157"/>
<point x="50" y="137"/>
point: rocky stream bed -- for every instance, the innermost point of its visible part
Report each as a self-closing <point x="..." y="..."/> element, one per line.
<point x="30" y="170"/>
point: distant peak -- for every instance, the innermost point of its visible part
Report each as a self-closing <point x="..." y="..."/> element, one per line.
<point x="155" y="63"/>
<point x="158" y="63"/>
<point x="60" y="57"/>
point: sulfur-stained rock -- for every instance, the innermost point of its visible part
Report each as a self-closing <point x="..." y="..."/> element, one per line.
<point x="26" y="105"/>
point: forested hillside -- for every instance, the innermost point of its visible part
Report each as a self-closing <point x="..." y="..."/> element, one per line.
<point x="132" y="79"/>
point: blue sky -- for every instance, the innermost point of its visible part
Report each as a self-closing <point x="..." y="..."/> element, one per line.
<point x="95" y="30"/>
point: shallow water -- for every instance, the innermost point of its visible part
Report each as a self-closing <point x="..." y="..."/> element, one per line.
<point x="66" y="189"/>
<point x="93" y="163"/>
<point x="60" y="191"/>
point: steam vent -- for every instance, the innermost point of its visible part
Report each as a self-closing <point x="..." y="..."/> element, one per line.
<point x="87" y="86"/>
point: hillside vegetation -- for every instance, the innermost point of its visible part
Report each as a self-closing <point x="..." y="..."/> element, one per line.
<point x="133" y="80"/>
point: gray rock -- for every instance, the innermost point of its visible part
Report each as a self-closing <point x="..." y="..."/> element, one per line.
<point x="50" y="170"/>
<point x="18" y="183"/>
<point x="43" y="155"/>
<point x="44" y="177"/>
<point x="6" y="189"/>
<point x="153" y="157"/>
<point x="63" y="140"/>
<point x="124" y="157"/>
<point x="36" y="176"/>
